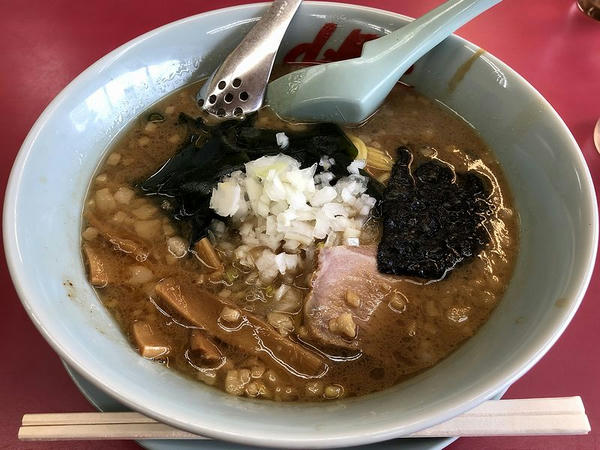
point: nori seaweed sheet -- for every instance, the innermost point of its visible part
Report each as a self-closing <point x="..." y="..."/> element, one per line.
<point x="211" y="152"/>
<point x="433" y="219"/>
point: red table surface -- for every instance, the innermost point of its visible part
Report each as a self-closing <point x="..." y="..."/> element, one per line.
<point x="44" y="44"/>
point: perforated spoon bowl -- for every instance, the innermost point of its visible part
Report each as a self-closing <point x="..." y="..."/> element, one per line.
<point x="238" y="86"/>
<point x="350" y="91"/>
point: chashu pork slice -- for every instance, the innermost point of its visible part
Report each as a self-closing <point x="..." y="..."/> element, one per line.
<point x="347" y="285"/>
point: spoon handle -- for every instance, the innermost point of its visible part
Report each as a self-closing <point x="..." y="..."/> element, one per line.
<point x="418" y="37"/>
<point x="248" y="66"/>
<point x="266" y="35"/>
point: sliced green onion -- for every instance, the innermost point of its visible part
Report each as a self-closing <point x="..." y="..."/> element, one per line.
<point x="156" y="118"/>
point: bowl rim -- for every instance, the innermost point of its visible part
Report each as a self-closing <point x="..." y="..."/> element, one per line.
<point x="352" y="437"/>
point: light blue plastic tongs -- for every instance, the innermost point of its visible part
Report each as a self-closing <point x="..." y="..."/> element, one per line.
<point x="350" y="91"/>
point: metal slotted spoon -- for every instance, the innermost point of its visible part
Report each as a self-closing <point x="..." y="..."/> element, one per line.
<point x="238" y="86"/>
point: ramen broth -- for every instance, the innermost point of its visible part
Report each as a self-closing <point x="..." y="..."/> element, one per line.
<point x="153" y="282"/>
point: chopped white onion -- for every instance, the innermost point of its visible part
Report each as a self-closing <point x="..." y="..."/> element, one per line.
<point x="284" y="209"/>
<point x="323" y="195"/>
<point x="282" y="140"/>
<point x="267" y="266"/>
<point x="356" y="165"/>
<point x="326" y="162"/>
<point x="292" y="261"/>
<point x="280" y="261"/>
<point x="324" y="178"/>
<point x="225" y="199"/>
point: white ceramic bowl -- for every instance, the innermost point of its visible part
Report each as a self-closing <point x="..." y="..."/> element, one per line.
<point x="550" y="181"/>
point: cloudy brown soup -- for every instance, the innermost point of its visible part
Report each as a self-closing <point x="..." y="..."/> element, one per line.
<point x="274" y="290"/>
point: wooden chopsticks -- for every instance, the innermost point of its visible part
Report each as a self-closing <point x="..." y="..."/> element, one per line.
<point x="536" y="416"/>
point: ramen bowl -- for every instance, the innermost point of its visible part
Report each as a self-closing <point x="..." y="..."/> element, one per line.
<point x="551" y="184"/>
